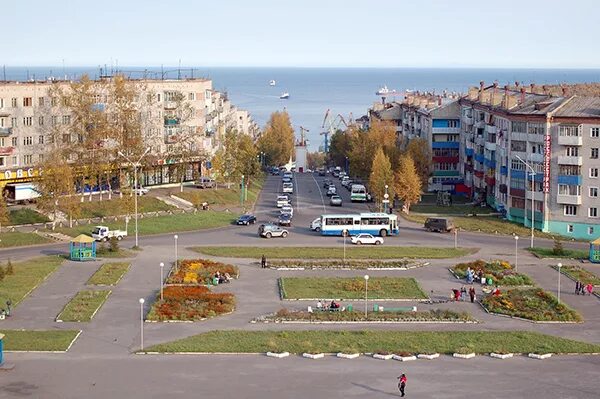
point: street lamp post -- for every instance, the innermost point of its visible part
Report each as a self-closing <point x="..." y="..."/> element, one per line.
<point x="559" y="266"/>
<point x="176" y="257"/>
<point x="135" y="187"/>
<point x="162" y="266"/>
<point x="516" y="253"/>
<point x="366" y="294"/>
<point x="385" y="199"/>
<point x="344" y="235"/>
<point x="242" y="193"/>
<point x="532" y="174"/>
<point x="455" y="237"/>
<point x="141" y="323"/>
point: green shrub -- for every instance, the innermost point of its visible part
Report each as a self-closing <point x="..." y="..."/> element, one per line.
<point x="114" y="244"/>
<point x="9" y="268"/>
<point x="558" y="249"/>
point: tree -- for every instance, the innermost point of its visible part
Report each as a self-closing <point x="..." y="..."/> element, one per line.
<point x="315" y="160"/>
<point x="381" y="175"/>
<point x="277" y="140"/>
<point x="56" y="181"/>
<point x="419" y="151"/>
<point x="237" y="156"/>
<point x="4" y="213"/>
<point x="339" y="148"/>
<point x="408" y="184"/>
<point x="9" y="267"/>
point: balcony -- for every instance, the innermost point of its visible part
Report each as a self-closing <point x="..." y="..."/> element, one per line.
<point x="539" y="158"/>
<point x="568" y="199"/>
<point x="479" y="174"/>
<point x="171" y="121"/>
<point x="480" y="140"/>
<point x="568" y="160"/>
<point x="570" y="180"/>
<point x="468" y="168"/>
<point x="445" y="130"/>
<point x="490" y="180"/>
<point x="504" y="170"/>
<point x="5" y="131"/>
<point x="445" y="173"/>
<point x="468" y="120"/>
<point x="518" y="136"/>
<point x="503" y="188"/>
<point x="445" y="159"/>
<point x="490" y="146"/>
<point x="535" y="138"/>
<point x="469" y="152"/>
<point x="517" y="174"/>
<point x="170" y="105"/>
<point x="7" y="150"/>
<point x="490" y="163"/>
<point x="445" y="144"/>
<point x="479" y="158"/>
<point x="537" y="195"/>
<point x="479" y="124"/>
<point x="570" y="140"/>
<point x="491" y="129"/>
<point x="517" y="192"/>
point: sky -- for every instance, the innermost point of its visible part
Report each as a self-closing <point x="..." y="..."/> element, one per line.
<point x="303" y="33"/>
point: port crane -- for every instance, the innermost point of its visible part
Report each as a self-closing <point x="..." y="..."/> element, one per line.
<point x="332" y="123"/>
<point x="303" y="142"/>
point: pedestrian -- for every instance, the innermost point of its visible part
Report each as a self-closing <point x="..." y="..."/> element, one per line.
<point x="263" y="262"/>
<point x="582" y="288"/>
<point x="577" y="285"/>
<point x="463" y="293"/>
<point x="589" y="288"/>
<point x="402" y="384"/>
<point x="472" y="294"/>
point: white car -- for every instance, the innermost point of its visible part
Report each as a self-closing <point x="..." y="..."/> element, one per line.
<point x="282" y="200"/>
<point x="287" y="209"/>
<point x="288" y="188"/>
<point x="315" y="225"/>
<point x="364" y="238"/>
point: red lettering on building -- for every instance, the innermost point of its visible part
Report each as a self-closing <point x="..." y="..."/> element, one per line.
<point x="547" y="155"/>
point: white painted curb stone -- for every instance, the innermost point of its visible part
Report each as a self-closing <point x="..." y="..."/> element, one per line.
<point x="382" y="357"/>
<point x="428" y="357"/>
<point x="501" y="356"/>
<point x="404" y="358"/>
<point x="463" y="355"/>
<point x="540" y="357"/>
<point x="278" y="355"/>
<point x="348" y="355"/>
<point x="313" y="355"/>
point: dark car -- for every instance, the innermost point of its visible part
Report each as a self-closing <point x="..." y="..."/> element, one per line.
<point x="246" y="219"/>
<point x="441" y="225"/>
<point x="326" y="183"/>
<point x="285" y="219"/>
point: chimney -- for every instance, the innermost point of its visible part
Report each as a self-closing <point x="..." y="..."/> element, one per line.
<point x="505" y="97"/>
<point x="516" y="84"/>
<point x="439" y="100"/>
<point x="473" y="91"/>
<point x="493" y="95"/>
<point x="564" y="90"/>
<point x="522" y="95"/>
<point x="532" y="88"/>
<point x="480" y="97"/>
<point x="545" y="89"/>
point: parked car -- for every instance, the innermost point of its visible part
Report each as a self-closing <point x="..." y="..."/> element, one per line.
<point x="335" y="200"/>
<point x="285" y="219"/>
<point x="315" y="225"/>
<point x="246" y="219"/>
<point x="331" y="190"/>
<point x="364" y="238"/>
<point x="441" y="225"/>
<point x="287" y="209"/>
<point x="271" y="230"/>
<point x="205" y="182"/>
<point x="282" y="200"/>
<point x="103" y="233"/>
<point x="326" y="183"/>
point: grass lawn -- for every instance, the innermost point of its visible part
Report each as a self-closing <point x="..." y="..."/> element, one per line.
<point x="84" y="305"/>
<point x="375" y="341"/>
<point x="17" y="239"/>
<point x="221" y="196"/>
<point x="109" y="273"/>
<point x="164" y="224"/>
<point x="567" y="253"/>
<point x="36" y="340"/>
<point x="460" y="209"/>
<point x="350" y="288"/>
<point x="117" y="206"/>
<point x="532" y="303"/>
<point x="26" y="216"/>
<point x="578" y="273"/>
<point x="352" y="252"/>
<point x="27" y="275"/>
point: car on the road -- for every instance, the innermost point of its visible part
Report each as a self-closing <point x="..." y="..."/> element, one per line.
<point x="282" y="200"/>
<point x="288" y="187"/>
<point x="335" y="173"/>
<point x="315" y="225"/>
<point x="285" y="219"/>
<point x="335" y="200"/>
<point x="331" y="190"/>
<point x="286" y="179"/>
<point x="287" y="209"/>
<point x="288" y="175"/>
<point x="364" y="238"/>
<point x="205" y="182"/>
<point x="326" y="183"/>
<point x="322" y="172"/>
<point x="441" y="225"/>
<point x="246" y="219"/>
<point x="271" y="230"/>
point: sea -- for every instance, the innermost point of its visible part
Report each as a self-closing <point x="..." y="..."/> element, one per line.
<point x="349" y="92"/>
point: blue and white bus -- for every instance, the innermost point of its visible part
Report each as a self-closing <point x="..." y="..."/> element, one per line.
<point x="378" y="224"/>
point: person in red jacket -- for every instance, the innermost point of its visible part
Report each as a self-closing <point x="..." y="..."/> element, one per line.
<point x="402" y="384"/>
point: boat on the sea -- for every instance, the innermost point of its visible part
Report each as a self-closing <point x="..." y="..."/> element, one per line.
<point x="385" y="91"/>
<point x="284" y="96"/>
<point x="272" y="83"/>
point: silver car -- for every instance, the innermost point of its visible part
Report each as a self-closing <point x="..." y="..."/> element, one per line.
<point x="272" y="230"/>
<point x="335" y="200"/>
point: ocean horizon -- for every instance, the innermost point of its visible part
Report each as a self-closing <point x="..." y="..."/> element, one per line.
<point x="313" y="90"/>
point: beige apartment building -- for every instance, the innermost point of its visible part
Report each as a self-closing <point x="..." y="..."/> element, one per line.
<point x="28" y="112"/>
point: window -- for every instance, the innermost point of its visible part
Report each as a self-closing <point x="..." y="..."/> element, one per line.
<point x="14" y="141"/>
<point x="13" y="102"/>
<point x="590" y="230"/>
<point x="54" y="101"/>
<point x="594" y="173"/>
<point x="41" y="121"/>
<point x="515" y="164"/>
<point x="15" y="161"/>
<point x="2" y="161"/>
<point x="41" y="157"/>
<point x="1" y="103"/>
<point x="567" y="189"/>
<point x="28" y="140"/>
<point x="536" y="128"/>
<point x="2" y="122"/>
<point x="593" y="212"/>
<point x="40" y="139"/>
<point x="569" y="228"/>
<point x="537" y="148"/>
<point x="27" y="101"/>
<point x="27" y="159"/>
<point x="517" y="183"/>
<point x="1" y="141"/>
<point x="570" y="210"/>
<point x="27" y="121"/>
<point x="572" y="151"/>
<point x="520" y="146"/>
<point x="593" y="191"/>
<point x="594" y="153"/>
<point x="54" y="120"/>
<point x="191" y="96"/>
<point x="453" y="123"/>
<point x="41" y="101"/>
<point x="518" y="202"/>
<point x="569" y="170"/>
<point x="569" y="131"/>
<point x="158" y="97"/>
<point x="13" y="122"/>
<point x="519" y="127"/>
<point x="66" y="119"/>
<point x="66" y="138"/>
<point x="595" y="132"/>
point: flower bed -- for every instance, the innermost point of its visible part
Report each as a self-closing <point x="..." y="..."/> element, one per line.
<point x="349" y="264"/>
<point x="578" y="273"/>
<point x="501" y="272"/>
<point x="286" y="315"/>
<point x="533" y="304"/>
<point x="184" y="303"/>
<point x="199" y="271"/>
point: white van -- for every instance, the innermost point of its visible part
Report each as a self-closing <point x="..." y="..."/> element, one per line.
<point x="288" y="188"/>
<point x="315" y="225"/>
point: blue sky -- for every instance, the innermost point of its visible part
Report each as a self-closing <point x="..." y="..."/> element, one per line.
<point x="349" y="33"/>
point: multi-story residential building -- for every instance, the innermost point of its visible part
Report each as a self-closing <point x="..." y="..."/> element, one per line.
<point x="28" y="111"/>
<point x="521" y="145"/>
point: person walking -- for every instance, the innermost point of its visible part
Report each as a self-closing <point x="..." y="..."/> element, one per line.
<point x="472" y="294"/>
<point x="577" y="287"/>
<point x="589" y="288"/>
<point x="402" y="384"/>
<point x="263" y="262"/>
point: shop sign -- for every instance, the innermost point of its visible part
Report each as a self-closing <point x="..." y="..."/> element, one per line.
<point x="547" y="155"/>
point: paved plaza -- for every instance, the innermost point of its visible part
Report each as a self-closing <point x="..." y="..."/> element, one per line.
<point x="101" y="363"/>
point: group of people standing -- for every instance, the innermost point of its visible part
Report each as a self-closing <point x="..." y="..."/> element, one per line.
<point x="461" y="295"/>
<point x="582" y="288"/>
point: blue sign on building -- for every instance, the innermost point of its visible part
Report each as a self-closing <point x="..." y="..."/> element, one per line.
<point x="208" y="165"/>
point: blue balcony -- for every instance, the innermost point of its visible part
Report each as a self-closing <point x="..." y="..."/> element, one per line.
<point x="445" y="144"/>
<point x="490" y="163"/>
<point x="517" y="174"/>
<point x="575" y="180"/>
<point x="469" y="152"/>
<point x="504" y="170"/>
<point x="479" y="158"/>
